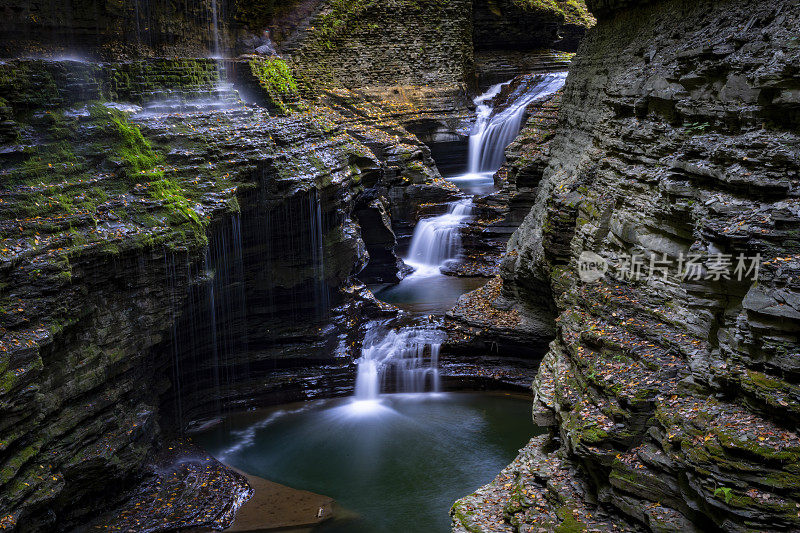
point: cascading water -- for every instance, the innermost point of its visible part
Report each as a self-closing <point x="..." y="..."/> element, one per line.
<point x="437" y="240"/>
<point x="493" y="133"/>
<point x="215" y="30"/>
<point x="411" y="355"/>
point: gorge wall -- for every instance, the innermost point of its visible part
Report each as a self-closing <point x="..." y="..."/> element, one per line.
<point x="141" y="203"/>
<point x="169" y="253"/>
<point x="672" y="399"/>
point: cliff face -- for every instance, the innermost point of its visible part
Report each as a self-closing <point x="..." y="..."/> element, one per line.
<point x="167" y="257"/>
<point x="114" y="29"/>
<point x="168" y="252"/>
<point x="672" y="399"/>
<point x="362" y="43"/>
<point x="402" y="43"/>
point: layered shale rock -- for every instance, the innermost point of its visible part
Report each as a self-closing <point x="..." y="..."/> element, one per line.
<point x="419" y="61"/>
<point x="164" y="256"/>
<point x="515" y="37"/>
<point x="114" y="30"/>
<point x="672" y="398"/>
<point x="488" y="320"/>
<point x="169" y="253"/>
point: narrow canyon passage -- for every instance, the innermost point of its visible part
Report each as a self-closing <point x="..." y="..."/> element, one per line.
<point x="397" y="454"/>
<point x="402" y="266"/>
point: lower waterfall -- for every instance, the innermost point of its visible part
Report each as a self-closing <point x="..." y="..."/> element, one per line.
<point x="437" y="240"/>
<point x="410" y="355"/>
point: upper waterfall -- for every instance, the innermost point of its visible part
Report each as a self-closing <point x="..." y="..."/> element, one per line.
<point x="492" y="133"/>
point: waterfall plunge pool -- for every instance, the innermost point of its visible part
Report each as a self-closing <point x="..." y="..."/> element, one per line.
<point x="396" y="464"/>
<point x="427" y="295"/>
<point x="436" y="241"/>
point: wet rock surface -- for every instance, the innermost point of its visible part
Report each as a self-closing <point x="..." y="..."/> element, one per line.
<point x="539" y="491"/>
<point x="670" y="396"/>
<point x="520" y="25"/>
<point x="155" y="250"/>
<point x="185" y="488"/>
<point x="485" y="321"/>
<point x="116" y="30"/>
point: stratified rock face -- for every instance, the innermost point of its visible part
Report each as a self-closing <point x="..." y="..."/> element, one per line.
<point x="529" y="24"/>
<point x="160" y="265"/>
<point x="384" y="43"/>
<point x="114" y="29"/>
<point x="675" y="397"/>
<point x="516" y="37"/>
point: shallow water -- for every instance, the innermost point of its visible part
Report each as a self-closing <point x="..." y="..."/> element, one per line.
<point x="477" y="184"/>
<point x="399" y="463"/>
<point x="434" y="293"/>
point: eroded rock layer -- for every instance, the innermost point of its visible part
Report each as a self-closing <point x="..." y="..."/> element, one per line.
<point x="169" y="256"/>
<point x="672" y="398"/>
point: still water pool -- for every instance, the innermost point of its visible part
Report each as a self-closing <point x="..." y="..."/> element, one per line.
<point x="397" y="464"/>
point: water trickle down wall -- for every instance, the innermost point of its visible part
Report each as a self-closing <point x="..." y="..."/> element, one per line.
<point x="261" y="302"/>
<point x="114" y="30"/>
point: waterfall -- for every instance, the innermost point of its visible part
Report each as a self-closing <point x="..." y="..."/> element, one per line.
<point x="215" y="29"/>
<point x="437" y="240"/>
<point x="410" y="355"/>
<point x="209" y="337"/>
<point x="317" y="243"/>
<point x="493" y="133"/>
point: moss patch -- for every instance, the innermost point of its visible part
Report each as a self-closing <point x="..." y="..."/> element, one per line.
<point x="570" y="11"/>
<point x="276" y="79"/>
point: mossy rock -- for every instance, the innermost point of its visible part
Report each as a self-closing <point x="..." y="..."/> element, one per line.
<point x="276" y="80"/>
<point x="569" y="524"/>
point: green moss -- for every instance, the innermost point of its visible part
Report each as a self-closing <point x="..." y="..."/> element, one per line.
<point x="49" y="163"/>
<point x="13" y="466"/>
<point x="697" y="127"/>
<point x="7" y="380"/>
<point x="233" y="204"/>
<point x="276" y="79"/>
<point x="465" y="517"/>
<point x="172" y="196"/>
<point x="72" y="148"/>
<point x="764" y="381"/>
<point x="593" y="435"/>
<point x="341" y="17"/>
<point x="129" y="145"/>
<point x="570" y="11"/>
<point x="569" y="524"/>
<point x="181" y="213"/>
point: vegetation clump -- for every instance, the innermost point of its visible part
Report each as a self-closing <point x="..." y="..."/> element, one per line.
<point x="570" y="11"/>
<point x="132" y="148"/>
<point x="75" y="146"/>
<point x="276" y="79"/>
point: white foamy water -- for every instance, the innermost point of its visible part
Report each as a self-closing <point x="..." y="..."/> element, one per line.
<point x="492" y="132"/>
<point x="437" y="240"/>
<point x="410" y="356"/>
